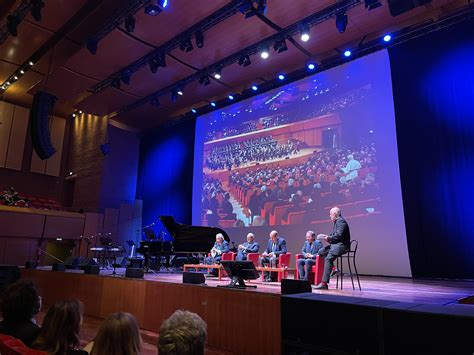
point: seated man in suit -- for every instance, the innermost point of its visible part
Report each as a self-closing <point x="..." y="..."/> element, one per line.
<point x="310" y="250"/>
<point x="275" y="247"/>
<point x="220" y="246"/>
<point x="250" y="246"/>
<point x="339" y="240"/>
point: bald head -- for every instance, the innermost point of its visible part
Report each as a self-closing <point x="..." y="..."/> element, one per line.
<point x="334" y="213"/>
<point x="274" y="235"/>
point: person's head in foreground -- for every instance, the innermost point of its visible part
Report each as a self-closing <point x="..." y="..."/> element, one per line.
<point x="183" y="332"/>
<point x="119" y="334"/>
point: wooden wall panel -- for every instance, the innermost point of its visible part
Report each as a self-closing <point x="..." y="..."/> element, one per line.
<point x="64" y="227"/>
<point x="17" y="138"/>
<point x="241" y="322"/>
<point x="21" y="224"/>
<point x="6" y="119"/>
<point x="111" y="221"/>
<point x="37" y="165"/>
<point x="19" y="250"/>
<point x="53" y="164"/>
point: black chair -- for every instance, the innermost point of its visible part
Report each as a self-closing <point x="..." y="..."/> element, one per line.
<point x="351" y="256"/>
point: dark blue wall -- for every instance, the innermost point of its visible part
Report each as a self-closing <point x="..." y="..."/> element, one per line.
<point x="166" y="172"/>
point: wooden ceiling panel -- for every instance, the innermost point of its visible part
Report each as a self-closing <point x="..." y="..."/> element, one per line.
<point x="144" y="117"/>
<point x="106" y="101"/>
<point x="110" y="56"/>
<point x="177" y="17"/>
<point x="6" y="69"/>
<point x="285" y="12"/>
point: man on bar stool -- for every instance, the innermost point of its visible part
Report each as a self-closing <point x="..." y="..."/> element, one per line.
<point x="339" y="240"/>
<point x="275" y="247"/>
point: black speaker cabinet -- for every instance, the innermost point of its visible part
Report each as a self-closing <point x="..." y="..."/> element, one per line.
<point x="290" y="286"/>
<point x="31" y="265"/>
<point x="398" y="7"/>
<point x="134" y="273"/>
<point x="59" y="267"/>
<point x="91" y="269"/>
<point x="196" y="278"/>
<point x="40" y="112"/>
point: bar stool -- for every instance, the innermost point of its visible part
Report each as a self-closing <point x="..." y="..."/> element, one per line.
<point x="350" y="255"/>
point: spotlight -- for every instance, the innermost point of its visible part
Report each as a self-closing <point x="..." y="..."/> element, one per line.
<point x="180" y="92"/>
<point x="22" y="72"/>
<point x="80" y="112"/>
<point x="36" y="6"/>
<point x="163" y="3"/>
<point x="7" y="83"/>
<point x="387" y="38"/>
<point x="92" y="45"/>
<point x="186" y="45"/>
<point x="199" y="38"/>
<point x="116" y="83"/>
<point x="162" y="59"/>
<point x="264" y="53"/>
<point x="372" y="4"/>
<point x="213" y="104"/>
<point x="347" y="53"/>
<point x="261" y="6"/>
<point x="281" y="77"/>
<point x="152" y="10"/>
<point x="304" y="30"/>
<point x="15" y="78"/>
<point x="341" y="21"/>
<point x="73" y="115"/>
<point x="155" y="101"/>
<point x="153" y="63"/>
<point x="126" y="76"/>
<point x="193" y="110"/>
<point x="130" y="24"/>
<point x="231" y="97"/>
<point x="254" y="87"/>
<point x="218" y="73"/>
<point x="280" y="46"/>
<point x="12" y="25"/>
<point x="30" y="63"/>
<point x="244" y="61"/>
<point x="311" y="65"/>
<point x="204" y="80"/>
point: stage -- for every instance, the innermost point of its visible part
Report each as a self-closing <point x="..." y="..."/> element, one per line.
<point x="226" y="311"/>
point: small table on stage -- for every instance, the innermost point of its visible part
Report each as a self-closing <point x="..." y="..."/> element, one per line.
<point x="282" y="272"/>
<point x="204" y="266"/>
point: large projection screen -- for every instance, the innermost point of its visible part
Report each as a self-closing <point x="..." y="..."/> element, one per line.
<point x="280" y="160"/>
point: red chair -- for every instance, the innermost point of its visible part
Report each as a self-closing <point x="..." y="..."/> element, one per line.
<point x="253" y="257"/>
<point x="283" y="259"/>
<point x="230" y="256"/>
<point x="11" y="346"/>
<point x="317" y="270"/>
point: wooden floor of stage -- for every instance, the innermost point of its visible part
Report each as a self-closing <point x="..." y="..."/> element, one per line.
<point x="437" y="291"/>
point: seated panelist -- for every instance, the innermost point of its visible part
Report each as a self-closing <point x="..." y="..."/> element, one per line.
<point x="250" y="246"/>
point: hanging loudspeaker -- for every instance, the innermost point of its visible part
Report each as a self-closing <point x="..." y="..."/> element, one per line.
<point x="40" y="113"/>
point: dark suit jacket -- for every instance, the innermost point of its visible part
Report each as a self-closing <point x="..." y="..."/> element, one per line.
<point x="251" y="248"/>
<point x="224" y="247"/>
<point x="26" y="331"/>
<point x="311" y="248"/>
<point x="280" y="247"/>
<point x="340" y="233"/>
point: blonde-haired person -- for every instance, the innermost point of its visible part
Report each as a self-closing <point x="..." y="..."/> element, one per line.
<point x="59" y="333"/>
<point x="118" y="335"/>
<point x="183" y="332"/>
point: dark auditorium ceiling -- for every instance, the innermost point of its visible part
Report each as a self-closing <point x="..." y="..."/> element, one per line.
<point x="59" y="40"/>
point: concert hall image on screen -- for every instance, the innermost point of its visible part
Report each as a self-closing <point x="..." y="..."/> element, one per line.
<point x="287" y="156"/>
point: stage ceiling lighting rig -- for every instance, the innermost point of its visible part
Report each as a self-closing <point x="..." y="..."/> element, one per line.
<point x="36" y="6"/>
<point x="186" y="45"/>
<point x="244" y="61"/>
<point x="280" y="46"/>
<point x="341" y="21"/>
<point x="204" y="80"/>
<point x="372" y="4"/>
<point x="130" y="24"/>
<point x="199" y="38"/>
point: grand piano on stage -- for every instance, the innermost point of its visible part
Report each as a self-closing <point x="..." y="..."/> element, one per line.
<point x="185" y="240"/>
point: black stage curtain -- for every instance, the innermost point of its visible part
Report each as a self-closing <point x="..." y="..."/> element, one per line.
<point x="433" y="87"/>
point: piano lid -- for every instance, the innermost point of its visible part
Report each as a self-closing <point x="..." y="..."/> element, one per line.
<point x="191" y="238"/>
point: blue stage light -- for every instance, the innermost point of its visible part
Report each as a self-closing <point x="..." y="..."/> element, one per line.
<point x="311" y="66"/>
<point x="254" y="87"/>
<point x="193" y="110"/>
<point x="281" y="76"/>
<point x="231" y="97"/>
<point x="213" y="104"/>
<point x="347" y="53"/>
<point x="387" y="38"/>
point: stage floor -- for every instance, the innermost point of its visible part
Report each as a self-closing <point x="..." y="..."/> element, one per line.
<point x="420" y="291"/>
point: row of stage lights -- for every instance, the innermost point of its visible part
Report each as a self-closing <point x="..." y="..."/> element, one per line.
<point x="16" y="76"/>
<point x="310" y="66"/>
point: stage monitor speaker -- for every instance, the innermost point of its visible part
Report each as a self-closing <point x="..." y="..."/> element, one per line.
<point x="398" y="7"/>
<point x="41" y="110"/>
<point x="31" y="265"/>
<point x="195" y="278"/>
<point x="121" y="261"/>
<point x="290" y="286"/>
<point x="59" y="267"/>
<point x="92" y="269"/>
<point x="87" y="262"/>
<point x="72" y="262"/>
<point x="134" y="273"/>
